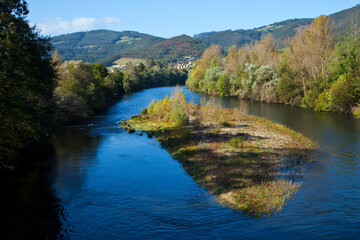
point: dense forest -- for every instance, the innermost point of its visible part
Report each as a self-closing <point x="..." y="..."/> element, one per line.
<point x="38" y="91"/>
<point x="101" y="46"/>
<point x="311" y="71"/>
<point x="171" y="49"/>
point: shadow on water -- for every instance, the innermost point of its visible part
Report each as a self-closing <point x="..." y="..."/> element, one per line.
<point x="29" y="208"/>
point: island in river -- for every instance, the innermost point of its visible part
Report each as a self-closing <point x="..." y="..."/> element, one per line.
<point x="247" y="163"/>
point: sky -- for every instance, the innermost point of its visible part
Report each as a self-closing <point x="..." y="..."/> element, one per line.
<point x="167" y="18"/>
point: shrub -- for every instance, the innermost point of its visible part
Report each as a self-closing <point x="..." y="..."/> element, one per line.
<point x="198" y="116"/>
<point x="203" y="146"/>
<point x="322" y="103"/>
<point x="241" y="111"/>
<point x="186" y="135"/>
<point x="237" y="142"/>
<point x="225" y="124"/>
<point x="179" y="116"/>
<point x="144" y="111"/>
<point x="356" y="111"/>
<point x="344" y="94"/>
<point x="214" y="106"/>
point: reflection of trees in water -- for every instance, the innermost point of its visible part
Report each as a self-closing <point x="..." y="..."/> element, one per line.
<point x="29" y="206"/>
<point x="75" y="152"/>
<point x="29" y="209"/>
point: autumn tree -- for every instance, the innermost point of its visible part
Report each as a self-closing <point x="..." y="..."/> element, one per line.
<point x="235" y="60"/>
<point x="310" y="52"/>
<point x="204" y="62"/>
<point x="264" y="51"/>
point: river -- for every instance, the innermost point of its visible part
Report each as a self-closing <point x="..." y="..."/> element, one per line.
<point x="103" y="183"/>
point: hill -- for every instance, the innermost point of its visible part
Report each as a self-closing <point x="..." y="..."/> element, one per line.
<point x="171" y="49"/>
<point x="343" y="20"/>
<point x="280" y="30"/>
<point x="106" y="46"/>
<point x="101" y="45"/>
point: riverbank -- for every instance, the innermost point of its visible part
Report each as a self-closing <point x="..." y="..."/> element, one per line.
<point x="247" y="163"/>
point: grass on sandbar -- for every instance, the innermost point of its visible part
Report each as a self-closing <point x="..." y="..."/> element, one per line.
<point x="247" y="163"/>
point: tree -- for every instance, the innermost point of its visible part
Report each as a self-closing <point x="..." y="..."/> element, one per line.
<point x="265" y="51"/>
<point x="223" y="85"/>
<point x="310" y="52"/>
<point x="26" y="82"/>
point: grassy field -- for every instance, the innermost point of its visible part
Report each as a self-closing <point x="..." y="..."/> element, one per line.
<point x="247" y="163"/>
<point x="127" y="60"/>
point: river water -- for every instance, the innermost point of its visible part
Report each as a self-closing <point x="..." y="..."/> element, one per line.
<point x="103" y="183"/>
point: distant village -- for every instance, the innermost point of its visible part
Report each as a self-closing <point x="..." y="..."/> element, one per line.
<point x="188" y="62"/>
<point x="184" y="63"/>
<point x="116" y="67"/>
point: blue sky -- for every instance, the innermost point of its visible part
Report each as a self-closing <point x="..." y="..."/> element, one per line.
<point x="166" y="18"/>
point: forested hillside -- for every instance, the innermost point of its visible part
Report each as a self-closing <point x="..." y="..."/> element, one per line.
<point x="279" y="30"/>
<point x="171" y="49"/>
<point x="106" y="46"/>
<point x="102" y="46"/>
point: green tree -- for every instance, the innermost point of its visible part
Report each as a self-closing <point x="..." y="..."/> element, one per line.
<point x="224" y="85"/>
<point x="100" y="72"/>
<point x="26" y="82"/>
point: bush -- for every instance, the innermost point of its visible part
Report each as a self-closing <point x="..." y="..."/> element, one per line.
<point x="356" y="111"/>
<point x="225" y="124"/>
<point x="237" y="142"/>
<point x="203" y="146"/>
<point x="241" y="111"/>
<point x="186" y="135"/>
<point x="322" y="103"/>
<point x="198" y="116"/>
<point x="344" y="94"/>
<point x="144" y="111"/>
<point x="179" y="116"/>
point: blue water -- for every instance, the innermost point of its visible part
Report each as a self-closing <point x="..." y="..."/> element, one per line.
<point x="103" y="183"/>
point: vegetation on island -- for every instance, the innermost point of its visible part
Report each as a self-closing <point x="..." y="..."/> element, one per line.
<point x="247" y="163"/>
<point x="311" y="71"/>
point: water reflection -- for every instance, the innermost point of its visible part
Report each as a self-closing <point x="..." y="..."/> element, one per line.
<point x="75" y="153"/>
<point x="28" y="206"/>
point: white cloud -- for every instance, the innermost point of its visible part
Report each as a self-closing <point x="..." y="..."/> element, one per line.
<point x="58" y="26"/>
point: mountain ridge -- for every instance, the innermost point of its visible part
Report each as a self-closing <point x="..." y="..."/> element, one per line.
<point x="105" y="46"/>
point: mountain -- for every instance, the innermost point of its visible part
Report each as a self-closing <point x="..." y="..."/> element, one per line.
<point x="101" y="45"/>
<point x="106" y="46"/>
<point x="343" y="20"/>
<point x="280" y="30"/>
<point x="171" y="49"/>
